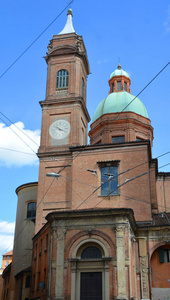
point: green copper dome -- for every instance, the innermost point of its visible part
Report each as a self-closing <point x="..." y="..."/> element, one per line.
<point x="116" y="102"/>
<point x="119" y="72"/>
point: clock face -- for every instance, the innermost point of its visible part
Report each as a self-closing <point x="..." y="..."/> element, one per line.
<point x="59" y="129"/>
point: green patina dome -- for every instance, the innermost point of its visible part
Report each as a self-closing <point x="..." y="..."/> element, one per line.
<point x="116" y="102"/>
<point x="119" y="72"/>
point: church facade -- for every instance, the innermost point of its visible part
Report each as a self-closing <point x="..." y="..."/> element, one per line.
<point x="99" y="216"/>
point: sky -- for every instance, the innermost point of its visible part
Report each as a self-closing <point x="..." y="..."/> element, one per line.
<point x="134" y="33"/>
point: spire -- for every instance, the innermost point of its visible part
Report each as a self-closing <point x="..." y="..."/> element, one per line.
<point x="69" y="25"/>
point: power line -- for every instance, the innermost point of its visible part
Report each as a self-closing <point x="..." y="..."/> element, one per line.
<point x="104" y="197"/>
<point x="13" y="150"/>
<point x="35" y="40"/>
<point x="110" y="121"/>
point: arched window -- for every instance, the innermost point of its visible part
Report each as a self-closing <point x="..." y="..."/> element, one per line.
<point x="62" y="79"/>
<point x="91" y="253"/>
<point x="31" y="210"/>
<point x="83" y="88"/>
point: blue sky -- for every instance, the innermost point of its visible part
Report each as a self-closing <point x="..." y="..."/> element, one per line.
<point x="136" y="33"/>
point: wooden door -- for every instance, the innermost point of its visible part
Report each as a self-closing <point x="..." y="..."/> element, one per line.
<point x="91" y="286"/>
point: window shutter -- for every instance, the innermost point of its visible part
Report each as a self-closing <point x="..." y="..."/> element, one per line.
<point x="161" y="255"/>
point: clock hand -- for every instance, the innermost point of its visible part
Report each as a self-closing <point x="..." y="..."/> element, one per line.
<point x="59" y="128"/>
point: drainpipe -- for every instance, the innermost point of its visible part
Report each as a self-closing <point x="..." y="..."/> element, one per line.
<point x="150" y="194"/>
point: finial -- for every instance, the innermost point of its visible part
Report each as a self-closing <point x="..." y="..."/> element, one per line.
<point x="119" y="66"/>
<point x="69" y="12"/>
<point x="69" y="25"/>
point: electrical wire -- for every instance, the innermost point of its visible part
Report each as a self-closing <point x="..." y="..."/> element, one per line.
<point x="13" y="150"/>
<point x="37" y="38"/>
<point x="105" y="197"/>
<point x="110" y="120"/>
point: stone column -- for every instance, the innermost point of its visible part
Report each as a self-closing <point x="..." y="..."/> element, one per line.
<point x="59" y="284"/>
<point x="121" y="272"/>
<point x="143" y="268"/>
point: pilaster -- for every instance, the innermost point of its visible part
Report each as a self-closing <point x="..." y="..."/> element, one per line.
<point x="59" y="284"/>
<point x="143" y="268"/>
<point x="121" y="272"/>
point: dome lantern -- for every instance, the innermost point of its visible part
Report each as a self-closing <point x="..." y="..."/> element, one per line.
<point x="119" y="81"/>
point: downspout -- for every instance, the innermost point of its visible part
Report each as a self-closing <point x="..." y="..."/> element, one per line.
<point x="150" y="194"/>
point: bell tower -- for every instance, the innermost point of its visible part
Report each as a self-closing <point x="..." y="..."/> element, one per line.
<point x="64" y="113"/>
<point x="64" y="117"/>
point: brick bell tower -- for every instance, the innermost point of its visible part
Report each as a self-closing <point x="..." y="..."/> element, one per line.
<point x="64" y="115"/>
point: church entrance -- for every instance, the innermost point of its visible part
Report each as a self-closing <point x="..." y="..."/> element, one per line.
<point x="91" y="286"/>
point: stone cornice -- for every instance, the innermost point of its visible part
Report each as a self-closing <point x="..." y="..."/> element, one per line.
<point x="55" y="101"/>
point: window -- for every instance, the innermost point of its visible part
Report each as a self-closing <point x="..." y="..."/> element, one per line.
<point x="113" y="87"/>
<point x="164" y="255"/>
<point x="118" y="139"/>
<point x="118" y="85"/>
<point x="83" y="88"/>
<point x="138" y="139"/>
<point x="62" y="79"/>
<point x="31" y="210"/>
<point x="125" y="86"/>
<point x="91" y="253"/>
<point x="7" y="263"/>
<point x="28" y="281"/>
<point x="109" y="180"/>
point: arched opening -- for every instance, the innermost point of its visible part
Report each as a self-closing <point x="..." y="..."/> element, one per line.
<point x="160" y="272"/>
<point x="90" y="272"/>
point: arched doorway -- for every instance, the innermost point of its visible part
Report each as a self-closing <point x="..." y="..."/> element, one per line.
<point x="90" y="272"/>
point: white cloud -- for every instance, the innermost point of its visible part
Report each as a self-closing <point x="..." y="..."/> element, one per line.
<point x="104" y="61"/>
<point x="6" y="237"/>
<point x="6" y="227"/>
<point x="6" y="243"/>
<point x="10" y="141"/>
<point x="167" y="20"/>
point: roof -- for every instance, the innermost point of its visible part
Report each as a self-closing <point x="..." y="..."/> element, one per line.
<point x="120" y="102"/>
<point x="8" y="253"/>
<point x="119" y="72"/>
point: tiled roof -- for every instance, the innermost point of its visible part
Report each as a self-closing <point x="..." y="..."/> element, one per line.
<point x="8" y="253"/>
